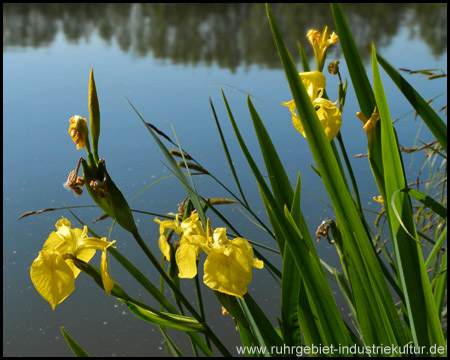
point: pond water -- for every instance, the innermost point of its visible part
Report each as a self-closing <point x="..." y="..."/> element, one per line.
<point x="168" y="59"/>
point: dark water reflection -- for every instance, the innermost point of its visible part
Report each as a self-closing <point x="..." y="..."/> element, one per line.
<point x="228" y="35"/>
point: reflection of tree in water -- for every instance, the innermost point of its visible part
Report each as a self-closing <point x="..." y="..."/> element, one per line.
<point x="229" y="35"/>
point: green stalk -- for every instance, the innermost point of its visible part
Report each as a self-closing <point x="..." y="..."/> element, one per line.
<point x="198" y="295"/>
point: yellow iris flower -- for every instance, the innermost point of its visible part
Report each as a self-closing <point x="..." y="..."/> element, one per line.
<point x="191" y="226"/>
<point x="53" y="273"/>
<point x="320" y="43"/>
<point x="329" y="115"/>
<point x="227" y="268"/>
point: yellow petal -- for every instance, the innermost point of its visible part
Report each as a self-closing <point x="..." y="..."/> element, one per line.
<point x="372" y="122"/>
<point x="168" y="224"/>
<point x="78" y="131"/>
<point x="53" y="242"/>
<point x="63" y="222"/>
<point x="108" y="284"/>
<point x="68" y="240"/>
<point x="162" y="241"/>
<point x="314" y="37"/>
<point x="228" y="274"/>
<point x="164" y="247"/>
<point x="330" y="117"/>
<point x="314" y="82"/>
<point x="84" y="254"/>
<point x="320" y="43"/>
<point x="220" y="237"/>
<point x="259" y="264"/>
<point x="379" y="199"/>
<point x="227" y="269"/>
<point x="295" y="119"/>
<point x="247" y="251"/>
<point x="88" y="244"/>
<point x="192" y="226"/>
<point x="186" y="258"/>
<point x="52" y="277"/>
<point x="69" y="237"/>
<point x="333" y="39"/>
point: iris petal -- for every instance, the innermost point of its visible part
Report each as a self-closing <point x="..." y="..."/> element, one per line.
<point x="52" y="277"/>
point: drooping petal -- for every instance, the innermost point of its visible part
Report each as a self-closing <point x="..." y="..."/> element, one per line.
<point x="186" y="258"/>
<point x="228" y="273"/>
<point x="164" y="246"/>
<point x="330" y="117"/>
<point x="227" y="268"/>
<point x="295" y="119"/>
<point x="162" y="241"/>
<point x="108" y="283"/>
<point x="247" y="251"/>
<point x="52" y="277"/>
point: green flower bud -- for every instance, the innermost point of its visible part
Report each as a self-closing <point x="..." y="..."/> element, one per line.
<point x="94" y="115"/>
<point x="107" y="195"/>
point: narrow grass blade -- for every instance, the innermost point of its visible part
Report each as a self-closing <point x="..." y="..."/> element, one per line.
<point x="428" y="115"/>
<point x="290" y="297"/>
<point x="227" y="153"/>
<point x="440" y="287"/>
<point x="427" y="201"/>
<point x="279" y="181"/>
<point x="357" y="72"/>
<point x="362" y="87"/>
<point x="261" y="327"/>
<point x="436" y="248"/>
<point x="143" y="280"/>
<point x="170" y="343"/>
<point x="423" y="318"/>
<point x="74" y="346"/>
<point x="291" y="284"/>
<point x="176" y="169"/>
<point x="303" y="58"/>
